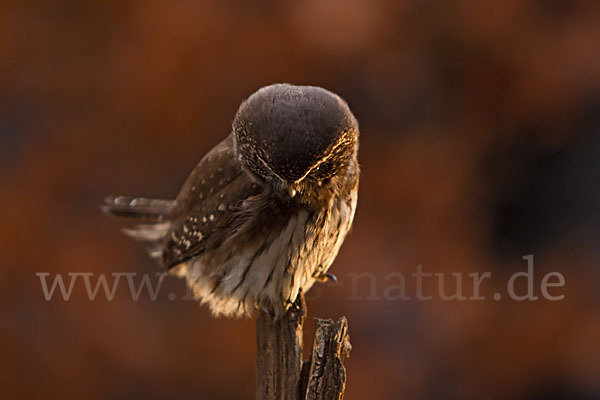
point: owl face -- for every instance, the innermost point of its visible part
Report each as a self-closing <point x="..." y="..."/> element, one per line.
<point x="296" y="138"/>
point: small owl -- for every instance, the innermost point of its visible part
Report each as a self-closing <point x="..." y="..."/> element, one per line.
<point x="264" y="213"/>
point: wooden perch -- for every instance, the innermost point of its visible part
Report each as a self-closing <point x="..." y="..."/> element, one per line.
<point x="281" y="374"/>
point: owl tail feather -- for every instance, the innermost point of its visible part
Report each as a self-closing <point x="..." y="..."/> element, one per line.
<point x="147" y="220"/>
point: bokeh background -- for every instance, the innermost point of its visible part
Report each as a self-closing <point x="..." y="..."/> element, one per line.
<point x="480" y="124"/>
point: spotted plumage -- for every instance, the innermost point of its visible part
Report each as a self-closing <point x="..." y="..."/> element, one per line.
<point x="263" y="215"/>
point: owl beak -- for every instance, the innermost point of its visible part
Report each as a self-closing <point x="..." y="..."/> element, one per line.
<point x="292" y="191"/>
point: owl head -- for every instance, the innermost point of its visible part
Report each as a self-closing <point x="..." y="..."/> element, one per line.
<point x="297" y="139"/>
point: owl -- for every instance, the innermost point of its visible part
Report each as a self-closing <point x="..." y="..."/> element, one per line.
<point x="263" y="215"/>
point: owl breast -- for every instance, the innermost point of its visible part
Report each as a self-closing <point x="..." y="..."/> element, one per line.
<point x="269" y="272"/>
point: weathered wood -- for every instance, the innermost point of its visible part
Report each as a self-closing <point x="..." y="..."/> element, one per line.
<point x="281" y="374"/>
<point x="279" y="357"/>
<point x="327" y="375"/>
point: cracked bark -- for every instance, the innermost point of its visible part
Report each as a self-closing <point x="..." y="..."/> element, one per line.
<point x="281" y="373"/>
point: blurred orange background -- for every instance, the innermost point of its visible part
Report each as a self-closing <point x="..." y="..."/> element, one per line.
<point x="480" y="144"/>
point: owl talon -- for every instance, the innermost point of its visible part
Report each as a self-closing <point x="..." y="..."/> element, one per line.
<point x="327" y="277"/>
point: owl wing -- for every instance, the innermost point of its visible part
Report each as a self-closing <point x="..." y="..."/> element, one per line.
<point x="207" y="207"/>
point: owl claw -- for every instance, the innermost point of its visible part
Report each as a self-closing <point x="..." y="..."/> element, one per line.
<point x="327" y="277"/>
